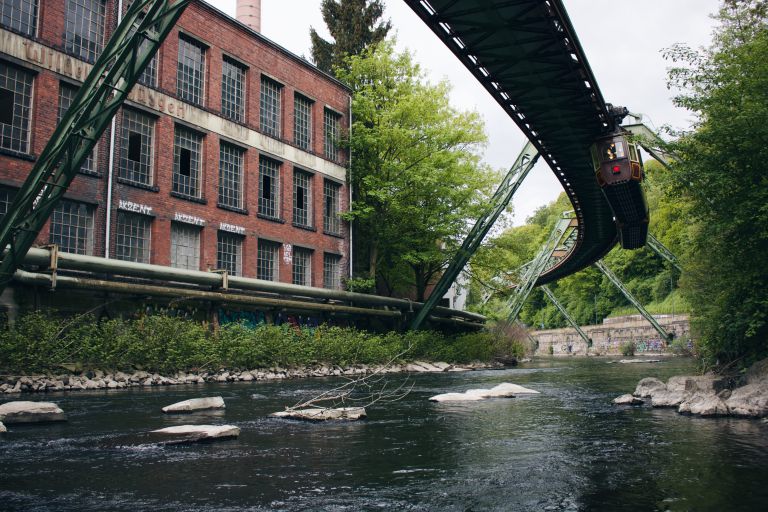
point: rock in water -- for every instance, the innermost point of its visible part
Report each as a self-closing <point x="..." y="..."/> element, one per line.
<point x="30" y="412"/>
<point x="750" y="400"/>
<point x="196" y="404"/>
<point x="628" y="400"/>
<point x="504" y="390"/>
<point x="322" y="414"/>
<point x="705" y="404"/>
<point x="2" y="428"/>
<point x="196" y="433"/>
<point x="648" y="386"/>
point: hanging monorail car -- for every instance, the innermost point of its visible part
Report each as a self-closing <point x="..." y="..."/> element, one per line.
<point x="619" y="171"/>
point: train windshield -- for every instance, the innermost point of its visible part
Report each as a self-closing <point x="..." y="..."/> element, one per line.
<point x="612" y="150"/>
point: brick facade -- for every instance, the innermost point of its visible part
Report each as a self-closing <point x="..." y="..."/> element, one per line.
<point x="46" y="56"/>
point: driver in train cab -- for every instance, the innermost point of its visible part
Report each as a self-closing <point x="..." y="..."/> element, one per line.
<point x="610" y="151"/>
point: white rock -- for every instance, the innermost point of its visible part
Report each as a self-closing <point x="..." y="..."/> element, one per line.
<point x="631" y="361"/>
<point x="30" y="412"/>
<point x="750" y="400"/>
<point x="705" y="404"/>
<point x="628" y="400"/>
<point x="196" y="404"/>
<point x="504" y="390"/>
<point x="669" y="398"/>
<point x="323" y="414"/>
<point x="200" y="432"/>
<point x="649" y="386"/>
<point x="2" y="428"/>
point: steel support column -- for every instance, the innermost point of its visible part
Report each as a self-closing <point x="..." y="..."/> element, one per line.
<point x="631" y="298"/>
<point x="548" y="292"/>
<point x="128" y="52"/>
<point x="498" y="202"/>
<point x="660" y="249"/>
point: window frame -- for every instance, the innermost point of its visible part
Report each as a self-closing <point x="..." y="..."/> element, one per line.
<point x="91" y="51"/>
<point x="182" y="232"/>
<point x="67" y="235"/>
<point x="239" y="93"/>
<point x="332" y="263"/>
<point x="270" y="104"/>
<point x="124" y="173"/>
<point x="142" y="222"/>
<point x="17" y="136"/>
<point x="268" y="260"/>
<point x="298" y="138"/>
<point x="91" y="162"/>
<point x="232" y="240"/>
<point x="302" y="271"/>
<point x="269" y="207"/>
<point x="331" y="134"/>
<point x="187" y="185"/>
<point x="17" y="25"/>
<point x="331" y="220"/>
<point x="306" y="218"/>
<point x="186" y="90"/>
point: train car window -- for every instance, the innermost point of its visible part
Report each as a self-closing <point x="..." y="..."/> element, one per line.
<point x="633" y="153"/>
<point x="612" y="151"/>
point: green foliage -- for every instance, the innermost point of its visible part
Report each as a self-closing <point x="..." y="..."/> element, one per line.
<point x="627" y="348"/>
<point x="40" y="342"/>
<point x="722" y="176"/>
<point x="416" y="169"/>
<point x="354" y="26"/>
<point x="360" y="284"/>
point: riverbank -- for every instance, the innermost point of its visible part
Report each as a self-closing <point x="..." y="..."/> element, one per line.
<point x="98" y="379"/>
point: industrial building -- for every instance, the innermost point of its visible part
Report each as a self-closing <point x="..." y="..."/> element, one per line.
<point x="227" y="155"/>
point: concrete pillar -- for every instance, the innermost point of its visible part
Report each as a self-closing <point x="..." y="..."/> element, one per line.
<point x="249" y="13"/>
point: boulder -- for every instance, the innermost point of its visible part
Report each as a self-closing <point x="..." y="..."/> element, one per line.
<point x="628" y="400"/>
<point x="758" y="372"/>
<point x="30" y="412"/>
<point x="322" y="414"/>
<point x="632" y="361"/>
<point x="2" y="428"/>
<point x="196" y="433"/>
<point x="668" y="398"/>
<point x="750" y="400"/>
<point x="504" y="390"/>
<point x="196" y="404"/>
<point x="648" y="386"/>
<point x="705" y="404"/>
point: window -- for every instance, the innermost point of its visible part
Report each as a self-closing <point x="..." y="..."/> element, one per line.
<point x="67" y="94"/>
<point x="302" y="122"/>
<point x="7" y="195"/>
<point x="137" y="142"/>
<point x="72" y="227"/>
<point x="266" y="260"/>
<point x="149" y="76"/>
<point x="233" y="90"/>
<point x="229" y="253"/>
<point x="84" y="32"/>
<point x="331" y="122"/>
<point x="19" y="15"/>
<point x="332" y="271"/>
<point x="185" y="246"/>
<point x="302" y="266"/>
<point x="230" y="175"/>
<point x="190" y="71"/>
<point x="133" y="237"/>
<point x="15" y="107"/>
<point x="302" y="198"/>
<point x="187" y="155"/>
<point x="331" y="209"/>
<point x="269" y="186"/>
<point x="270" y="107"/>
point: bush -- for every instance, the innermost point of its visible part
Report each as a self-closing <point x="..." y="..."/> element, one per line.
<point x="627" y="349"/>
<point x="43" y="341"/>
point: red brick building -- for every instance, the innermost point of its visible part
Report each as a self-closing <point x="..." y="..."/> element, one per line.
<point x="226" y="155"/>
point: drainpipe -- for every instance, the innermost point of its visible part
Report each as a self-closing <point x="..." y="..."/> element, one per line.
<point x="110" y="172"/>
<point x="349" y="186"/>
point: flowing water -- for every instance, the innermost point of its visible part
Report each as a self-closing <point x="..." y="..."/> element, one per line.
<point x="568" y="448"/>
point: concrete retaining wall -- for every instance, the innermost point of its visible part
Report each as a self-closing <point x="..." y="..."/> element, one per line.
<point x="611" y="334"/>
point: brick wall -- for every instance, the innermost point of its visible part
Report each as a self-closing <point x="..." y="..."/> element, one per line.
<point x="45" y="56"/>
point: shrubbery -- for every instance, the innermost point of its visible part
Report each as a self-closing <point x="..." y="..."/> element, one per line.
<point x="40" y="342"/>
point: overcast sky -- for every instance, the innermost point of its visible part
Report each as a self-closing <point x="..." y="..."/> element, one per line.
<point x="623" y="40"/>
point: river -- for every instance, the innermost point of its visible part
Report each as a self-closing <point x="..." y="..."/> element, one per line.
<point x="566" y="449"/>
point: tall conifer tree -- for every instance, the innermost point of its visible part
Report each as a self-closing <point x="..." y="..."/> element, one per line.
<point x="354" y="25"/>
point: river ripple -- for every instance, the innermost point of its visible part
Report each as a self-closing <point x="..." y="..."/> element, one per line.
<point x="567" y="449"/>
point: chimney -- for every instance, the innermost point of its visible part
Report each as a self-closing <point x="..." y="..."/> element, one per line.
<point x="249" y="13"/>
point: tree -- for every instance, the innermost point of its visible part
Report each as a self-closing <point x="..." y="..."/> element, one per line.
<point x="416" y="172"/>
<point x="724" y="160"/>
<point x="354" y="26"/>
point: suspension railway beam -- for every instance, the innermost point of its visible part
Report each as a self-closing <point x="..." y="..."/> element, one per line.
<point x="631" y="298"/>
<point x="497" y="204"/>
<point x="551" y="296"/>
<point x="128" y="52"/>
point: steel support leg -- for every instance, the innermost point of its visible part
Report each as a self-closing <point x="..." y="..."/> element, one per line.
<point x="662" y="251"/>
<point x="135" y="41"/>
<point x="548" y="292"/>
<point x="631" y="298"/>
<point x="501" y="198"/>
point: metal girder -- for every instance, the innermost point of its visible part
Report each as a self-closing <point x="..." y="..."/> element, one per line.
<point x="548" y="292"/>
<point x="498" y="202"/>
<point x="533" y="270"/>
<point x="134" y="43"/>
<point x="660" y="249"/>
<point x="631" y="298"/>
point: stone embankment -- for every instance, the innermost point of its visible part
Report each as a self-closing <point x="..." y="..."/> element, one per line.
<point x="98" y="379"/>
<point x="707" y="395"/>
